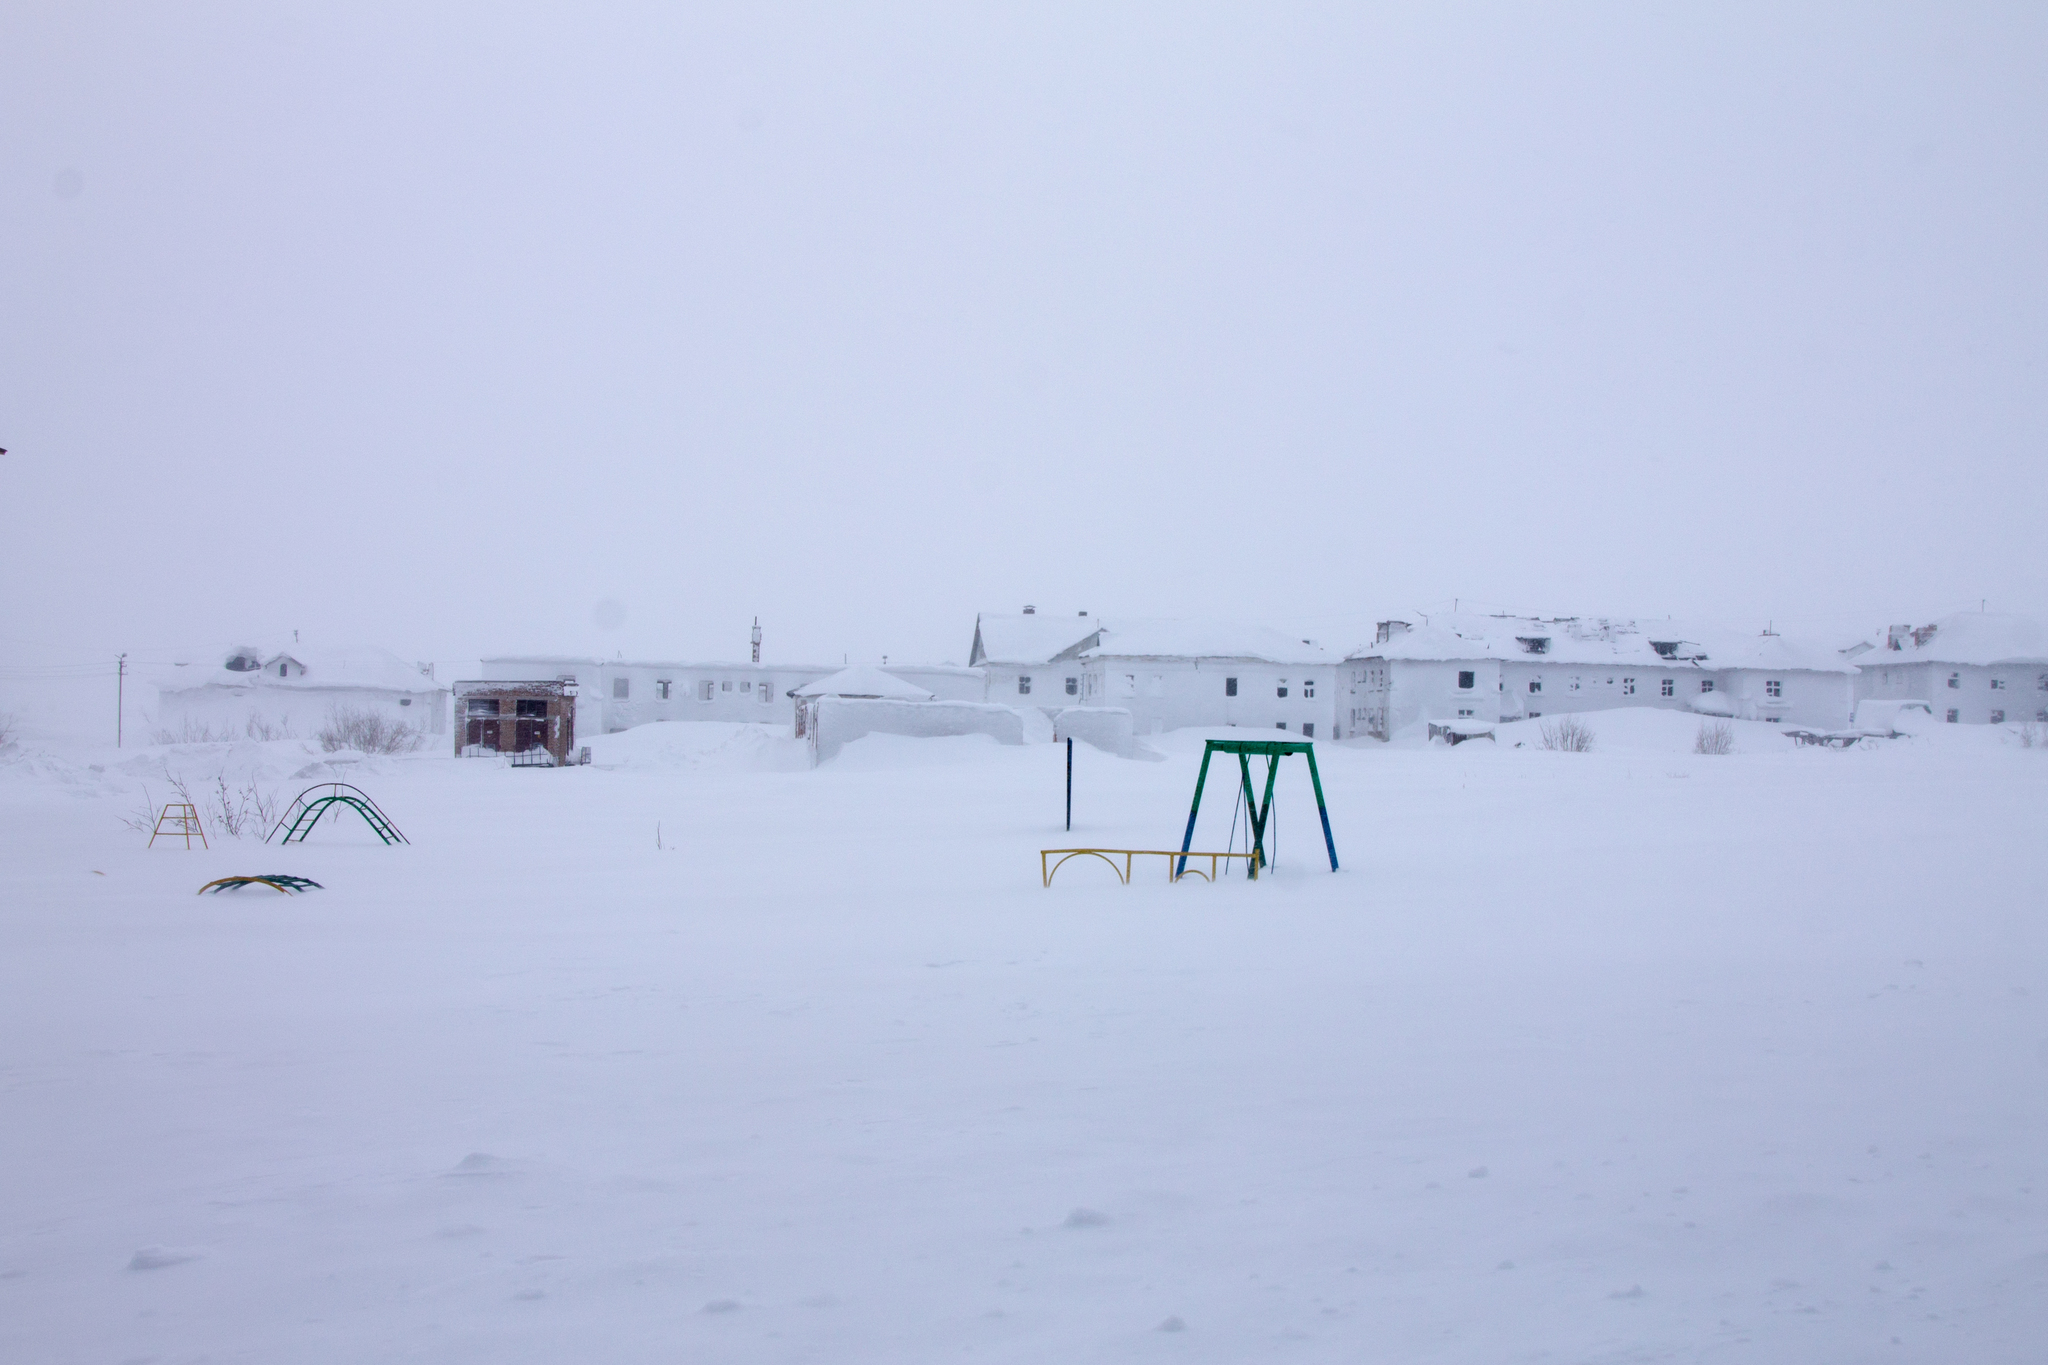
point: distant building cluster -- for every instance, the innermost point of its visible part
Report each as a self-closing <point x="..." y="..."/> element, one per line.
<point x="1462" y="670"/>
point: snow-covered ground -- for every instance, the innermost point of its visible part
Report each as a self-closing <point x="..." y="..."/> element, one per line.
<point x="1628" y="1055"/>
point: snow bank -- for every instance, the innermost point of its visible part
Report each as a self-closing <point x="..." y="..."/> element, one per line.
<point x="672" y="745"/>
<point x="841" y="720"/>
<point x="1106" y="727"/>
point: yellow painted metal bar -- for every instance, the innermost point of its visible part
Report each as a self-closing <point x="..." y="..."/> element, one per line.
<point x="1175" y="868"/>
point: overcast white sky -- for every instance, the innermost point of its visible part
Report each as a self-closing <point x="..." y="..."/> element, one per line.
<point x="444" y="328"/>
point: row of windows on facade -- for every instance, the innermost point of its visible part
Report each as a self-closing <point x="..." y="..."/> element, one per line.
<point x="1157" y="687"/>
<point x="1997" y="684"/>
<point x="707" y="689"/>
<point x="1666" y="687"/>
<point x="1997" y="717"/>
<point x="492" y="706"/>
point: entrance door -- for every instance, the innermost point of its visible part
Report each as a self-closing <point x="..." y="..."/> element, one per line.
<point x="529" y="734"/>
<point x="484" y="732"/>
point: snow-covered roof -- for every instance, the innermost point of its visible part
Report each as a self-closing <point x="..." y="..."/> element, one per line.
<point x="1600" y="642"/>
<point x="1967" y="637"/>
<point x="679" y="665"/>
<point x="351" y="666"/>
<point x="862" y="680"/>
<point x="1039" y="639"/>
<point x="1028" y="639"/>
<point x="1203" y="639"/>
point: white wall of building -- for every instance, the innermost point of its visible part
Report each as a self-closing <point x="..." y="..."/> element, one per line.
<point x="299" y="712"/>
<point x="1968" y="694"/>
<point x="618" y="694"/>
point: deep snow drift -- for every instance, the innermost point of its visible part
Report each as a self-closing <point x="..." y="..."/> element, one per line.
<point x="1626" y="1055"/>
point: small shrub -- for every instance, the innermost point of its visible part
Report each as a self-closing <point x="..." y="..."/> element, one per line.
<point x="1714" y="738"/>
<point x="1567" y="734"/>
<point x="244" y="812"/>
<point x="2030" y="735"/>
<point x="367" y="731"/>
<point x="8" y="727"/>
<point x="195" y="732"/>
<point x="259" y="726"/>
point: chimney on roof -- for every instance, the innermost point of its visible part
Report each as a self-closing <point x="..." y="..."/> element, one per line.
<point x="1084" y="613"/>
<point x="1030" y="610"/>
<point x="1895" y="636"/>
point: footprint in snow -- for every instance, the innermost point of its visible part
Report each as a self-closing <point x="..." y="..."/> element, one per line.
<point x="722" y="1306"/>
<point x="1634" y="1291"/>
<point x="156" y="1258"/>
<point x="1087" y="1218"/>
<point x="1173" y="1324"/>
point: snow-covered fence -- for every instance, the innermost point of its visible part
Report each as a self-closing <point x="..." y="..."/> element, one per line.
<point x="838" y="721"/>
<point x="1108" y="728"/>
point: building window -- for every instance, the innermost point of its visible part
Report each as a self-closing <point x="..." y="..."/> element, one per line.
<point x="1230" y="685"/>
<point x="1572" y="686"/>
<point x="1023" y="684"/>
<point x="1773" y="687"/>
<point x="1706" y="684"/>
<point x="2042" y="715"/>
<point x="746" y="687"/>
<point x="706" y="690"/>
<point x="532" y="710"/>
<point x="1281" y="691"/>
<point x="1535" y="686"/>
<point x="622" y="688"/>
<point x="1465" y="712"/>
<point x="661" y="689"/>
<point x="1073" y="687"/>
<point x="405" y="701"/>
<point x="1955" y="680"/>
<point x="280" y="673"/>
<point x="1279" y="725"/>
<point x="1668" y="687"/>
<point x="765" y="693"/>
<point x="1998" y="717"/>
<point x="1308" y="729"/>
<point x="1308" y="689"/>
<point x="483" y="706"/>
<point x="1465" y="679"/>
<point x="726" y="685"/>
<point x="1628" y="687"/>
<point x="1998" y="684"/>
<point x="1158" y="685"/>
<point x="1954" y="715"/>
<point x="2041" y="683"/>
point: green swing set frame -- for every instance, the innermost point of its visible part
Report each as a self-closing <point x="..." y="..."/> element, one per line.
<point x="1258" y="809"/>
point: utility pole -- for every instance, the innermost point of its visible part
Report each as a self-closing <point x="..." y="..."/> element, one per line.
<point x="757" y="639"/>
<point x="120" y="699"/>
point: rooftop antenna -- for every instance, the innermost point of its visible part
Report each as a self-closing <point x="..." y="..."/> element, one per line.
<point x="757" y="639"/>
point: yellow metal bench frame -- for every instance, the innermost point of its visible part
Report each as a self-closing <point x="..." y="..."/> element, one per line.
<point x="1176" y="866"/>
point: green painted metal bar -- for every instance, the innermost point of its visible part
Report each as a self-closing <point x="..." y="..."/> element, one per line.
<point x="1253" y="820"/>
<point x="1266" y="806"/>
<point x="1187" y="841"/>
<point x="1258" y="810"/>
<point x="1324" y="811"/>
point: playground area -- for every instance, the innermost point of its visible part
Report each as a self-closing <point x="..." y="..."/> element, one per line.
<point x="695" y="1052"/>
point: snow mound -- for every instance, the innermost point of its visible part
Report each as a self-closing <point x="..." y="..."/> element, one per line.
<point x="878" y="752"/>
<point x="671" y="745"/>
<point x="1646" y="729"/>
